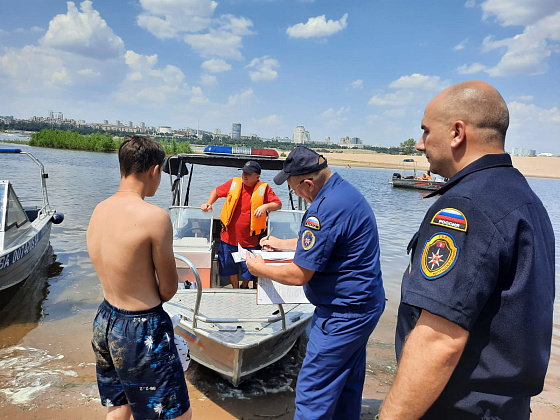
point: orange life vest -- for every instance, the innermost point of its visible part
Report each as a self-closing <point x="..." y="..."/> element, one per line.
<point x="258" y="224"/>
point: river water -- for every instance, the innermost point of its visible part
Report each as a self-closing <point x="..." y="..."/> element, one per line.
<point x="55" y="329"/>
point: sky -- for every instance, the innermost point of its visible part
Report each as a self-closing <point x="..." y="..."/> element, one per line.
<point x="357" y="68"/>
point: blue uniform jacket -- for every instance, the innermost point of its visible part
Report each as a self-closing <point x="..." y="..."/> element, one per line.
<point x="338" y="240"/>
<point x="483" y="258"/>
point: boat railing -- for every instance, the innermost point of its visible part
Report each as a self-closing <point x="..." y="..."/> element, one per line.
<point x="46" y="205"/>
<point x="196" y="317"/>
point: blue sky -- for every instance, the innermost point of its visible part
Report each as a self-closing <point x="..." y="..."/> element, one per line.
<point x="358" y="68"/>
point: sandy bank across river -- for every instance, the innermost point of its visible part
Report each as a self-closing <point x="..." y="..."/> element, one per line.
<point x="538" y="166"/>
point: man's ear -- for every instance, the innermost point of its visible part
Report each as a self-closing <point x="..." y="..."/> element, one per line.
<point x="459" y="132"/>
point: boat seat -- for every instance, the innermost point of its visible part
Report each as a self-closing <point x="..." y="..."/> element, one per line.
<point x="192" y="242"/>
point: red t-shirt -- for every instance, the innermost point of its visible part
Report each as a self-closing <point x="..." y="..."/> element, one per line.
<point x="238" y="229"/>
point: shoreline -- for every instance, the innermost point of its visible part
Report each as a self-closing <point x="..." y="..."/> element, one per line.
<point x="534" y="166"/>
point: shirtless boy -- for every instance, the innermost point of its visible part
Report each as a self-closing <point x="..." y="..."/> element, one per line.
<point x="129" y="242"/>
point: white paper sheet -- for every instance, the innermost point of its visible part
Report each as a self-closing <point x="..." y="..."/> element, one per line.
<point x="270" y="291"/>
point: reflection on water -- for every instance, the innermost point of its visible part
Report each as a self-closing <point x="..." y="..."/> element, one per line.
<point x="21" y="305"/>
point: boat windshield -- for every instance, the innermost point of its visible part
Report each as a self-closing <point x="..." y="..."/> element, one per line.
<point x="285" y="224"/>
<point x="192" y="225"/>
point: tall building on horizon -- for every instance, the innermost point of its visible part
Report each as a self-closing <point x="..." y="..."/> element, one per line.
<point x="300" y="135"/>
<point x="235" y="130"/>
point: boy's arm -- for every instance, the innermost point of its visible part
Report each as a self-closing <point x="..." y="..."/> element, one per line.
<point x="162" y="255"/>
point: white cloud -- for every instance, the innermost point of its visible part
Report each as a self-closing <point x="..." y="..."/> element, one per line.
<point x="471" y="69"/>
<point x="331" y="113"/>
<point x="208" y="80"/>
<point x="400" y="98"/>
<point x="270" y="120"/>
<point x="525" y="98"/>
<point x="470" y="3"/>
<point x="263" y="68"/>
<point x="147" y="84"/>
<point x="526" y="53"/>
<point x="419" y="82"/>
<point x="335" y="118"/>
<point x="241" y="98"/>
<point x="357" y="84"/>
<point x="216" y="43"/>
<point x="83" y="33"/>
<point x="518" y="12"/>
<point x="317" y="27"/>
<point x="193" y="22"/>
<point x="170" y="18"/>
<point x="400" y="107"/>
<point x="216" y="65"/>
<point x="89" y="72"/>
<point x="529" y="124"/>
<point x="461" y="45"/>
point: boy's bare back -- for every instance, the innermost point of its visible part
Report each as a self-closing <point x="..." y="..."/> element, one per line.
<point x="128" y="241"/>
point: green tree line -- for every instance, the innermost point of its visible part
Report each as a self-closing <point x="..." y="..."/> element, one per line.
<point x="98" y="142"/>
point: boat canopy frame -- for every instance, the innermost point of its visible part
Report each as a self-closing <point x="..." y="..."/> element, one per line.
<point x="176" y="167"/>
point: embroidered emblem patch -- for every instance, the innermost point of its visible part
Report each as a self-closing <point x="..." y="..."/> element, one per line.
<point x="450" y="218"/>
<point x="307" y="240"/>
<point x="438" y="256"/>
<point x="313" y="223"/>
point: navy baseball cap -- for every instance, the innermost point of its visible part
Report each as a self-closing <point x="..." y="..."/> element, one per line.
<point x="300" y="161"/>
<point x="251" y="166"/>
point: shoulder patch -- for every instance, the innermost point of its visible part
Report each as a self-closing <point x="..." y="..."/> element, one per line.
<point x="438" y="256"/>
<point x="307" y="240"/>
<point x="313" y="223"/>
<point x="450" y="218"/>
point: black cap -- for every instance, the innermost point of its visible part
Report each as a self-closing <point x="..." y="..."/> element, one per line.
<point x="300" y="161"/>
<point x="251" y="166"/>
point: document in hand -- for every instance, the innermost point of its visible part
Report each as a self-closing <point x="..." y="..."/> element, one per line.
<point x="270" y="291"/>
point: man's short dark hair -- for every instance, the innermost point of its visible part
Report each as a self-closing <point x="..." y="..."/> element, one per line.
<point x="138" y="153"/>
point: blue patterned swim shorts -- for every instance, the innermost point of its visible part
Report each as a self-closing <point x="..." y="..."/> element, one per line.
<point x="137" y="362"/>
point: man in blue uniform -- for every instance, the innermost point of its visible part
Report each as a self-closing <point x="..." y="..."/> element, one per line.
<point x="337" y="261"/>
<point x="475" y="321"/>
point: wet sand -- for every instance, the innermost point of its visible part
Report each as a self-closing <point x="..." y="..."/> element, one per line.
<point x="537" y="166"/>
<point x="54" y="378"/>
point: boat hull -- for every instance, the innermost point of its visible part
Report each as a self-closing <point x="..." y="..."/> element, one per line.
<point x="18" y="262"/>
<point x="236" y="350"/>
<point x="419" y="184"/>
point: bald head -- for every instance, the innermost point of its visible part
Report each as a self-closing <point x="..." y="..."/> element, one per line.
<point x="478" y="104"/>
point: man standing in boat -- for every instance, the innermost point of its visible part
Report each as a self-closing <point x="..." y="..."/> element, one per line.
<point x="476" y="315"/>
<point x="243" y="217"/>
<point x="337" y="261"/>
<point x="130" y="245"/>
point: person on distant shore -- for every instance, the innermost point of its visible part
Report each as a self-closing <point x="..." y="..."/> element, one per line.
<point x="337" y="262"/>
<point x="129" y="242"/>
<point x="476" y="314"/>
<point x="243" y="217"/>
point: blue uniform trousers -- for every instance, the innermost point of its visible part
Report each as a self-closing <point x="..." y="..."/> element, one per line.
<point x="331" y="379"/>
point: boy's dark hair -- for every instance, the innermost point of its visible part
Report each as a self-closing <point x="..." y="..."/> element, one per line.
<point x="139" y="153"/>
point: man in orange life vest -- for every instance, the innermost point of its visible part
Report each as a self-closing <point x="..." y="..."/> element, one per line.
<point x="243" y="218"/>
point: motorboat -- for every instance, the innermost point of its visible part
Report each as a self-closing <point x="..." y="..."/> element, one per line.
<point x="227" y="330"/>
<point x="408" y="177"/>
<point x="24" y="231"/>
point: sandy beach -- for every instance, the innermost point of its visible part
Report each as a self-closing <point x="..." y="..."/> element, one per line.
<point x="537" y="166"/>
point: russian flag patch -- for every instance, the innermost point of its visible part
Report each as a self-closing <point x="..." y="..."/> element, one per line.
<point x="450" y="218"/>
